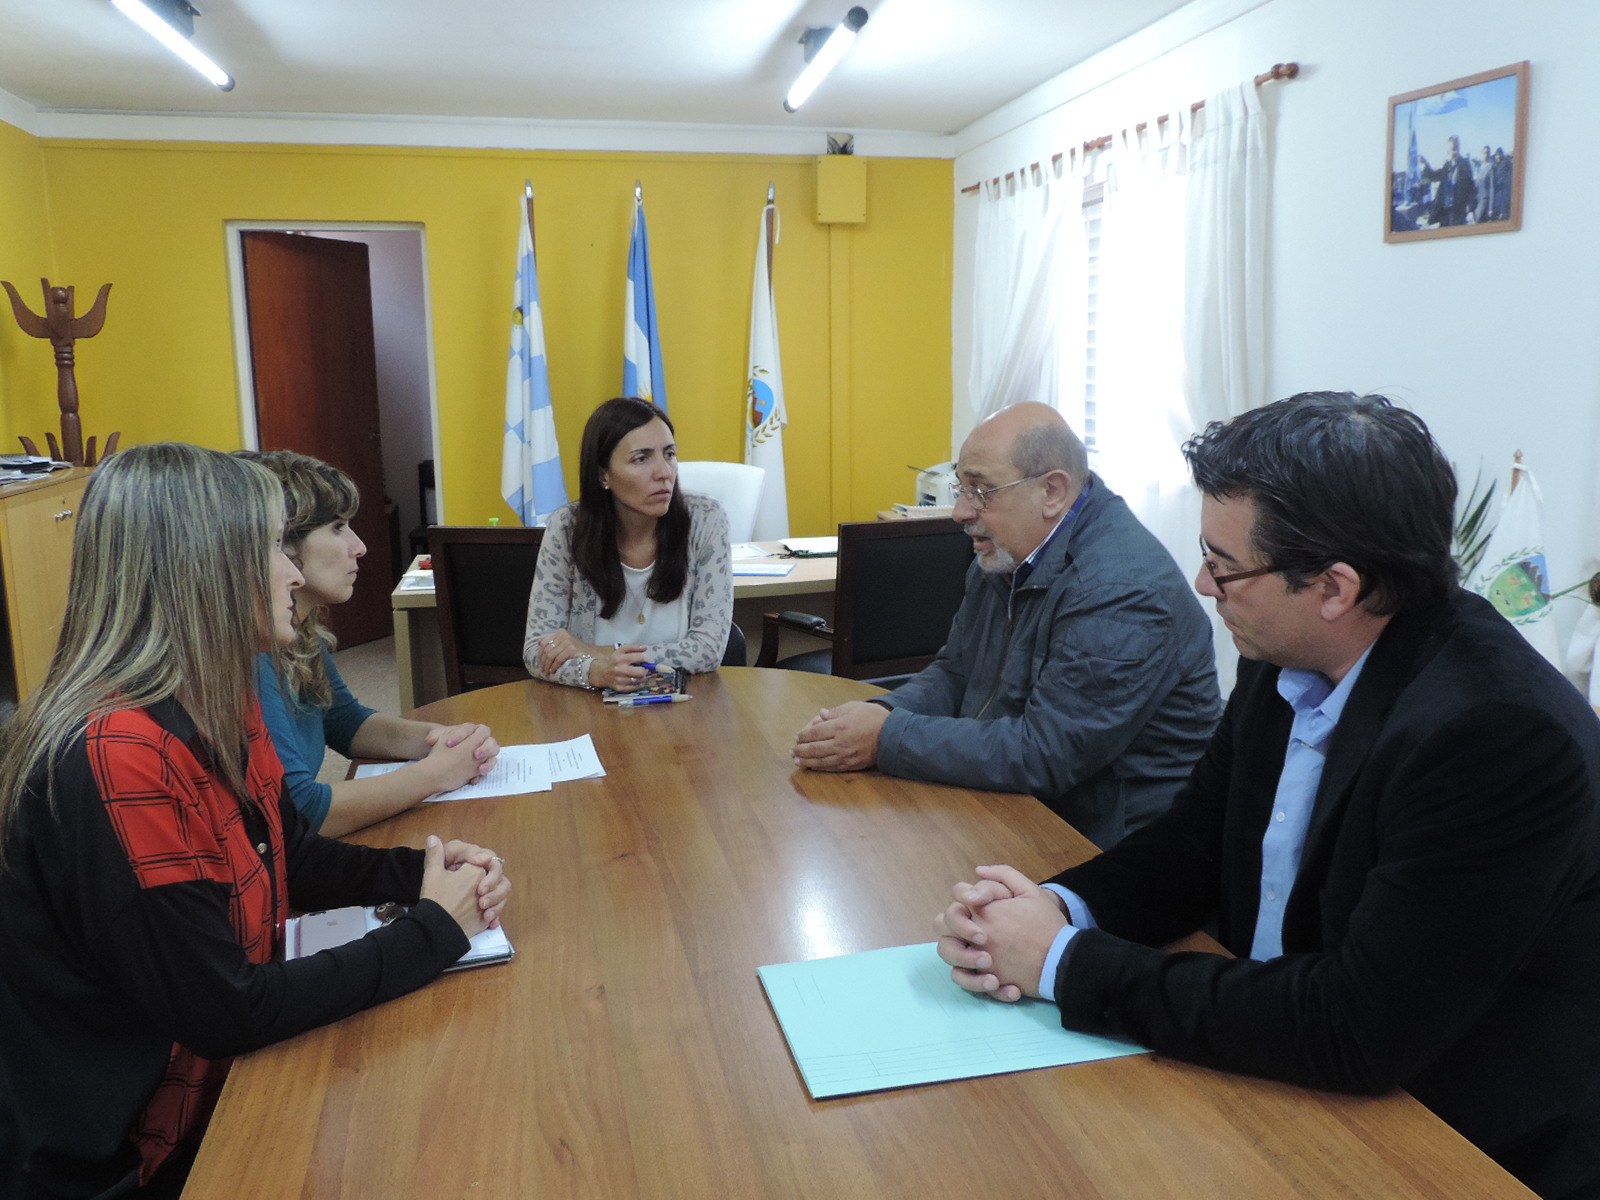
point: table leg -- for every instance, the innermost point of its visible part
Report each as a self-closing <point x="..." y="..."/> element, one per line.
<point x="405" y="663"/>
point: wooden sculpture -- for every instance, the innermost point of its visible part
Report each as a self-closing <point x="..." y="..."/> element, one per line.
<point x="63" y="329"/>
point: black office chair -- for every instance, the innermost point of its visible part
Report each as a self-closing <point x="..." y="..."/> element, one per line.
<point x="734" y="653"/>
<point x="898" y="588"/>
<point x="482" y="576"/>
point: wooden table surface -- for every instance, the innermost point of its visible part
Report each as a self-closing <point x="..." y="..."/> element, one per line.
<point x="629" y="1049"/>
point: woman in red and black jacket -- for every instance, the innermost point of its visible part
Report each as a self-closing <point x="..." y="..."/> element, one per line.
<point x="148" y="859"/>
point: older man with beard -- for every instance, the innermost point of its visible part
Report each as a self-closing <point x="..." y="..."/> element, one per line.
<point x="1079" y="668"/>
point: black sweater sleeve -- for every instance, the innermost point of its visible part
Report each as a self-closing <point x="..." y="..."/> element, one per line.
<point x="173" y="947"/>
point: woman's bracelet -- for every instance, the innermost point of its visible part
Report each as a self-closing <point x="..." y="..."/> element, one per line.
<point x="585" y="661"/>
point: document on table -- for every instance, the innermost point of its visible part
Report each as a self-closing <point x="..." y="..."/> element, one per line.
<point x="747" y="550"/>
<point x="306" y="935"/>
<point x="519" y="769"/>
<point x="815" y="547"/>
<point x="892" y="1018"/>
<point x="761" y="568"/>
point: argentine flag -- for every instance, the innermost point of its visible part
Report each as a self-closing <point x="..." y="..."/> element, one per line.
<point x="642" y="374"/>
<point x="530" y="463"/>
<point x="764" y="416"/>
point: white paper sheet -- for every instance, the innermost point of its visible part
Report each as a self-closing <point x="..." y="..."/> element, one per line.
<point x="574" y="759"/>
<point x="519" y="769"/>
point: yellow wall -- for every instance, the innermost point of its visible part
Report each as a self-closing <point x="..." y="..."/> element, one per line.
<point x="864" y="311"/>
<point x="27" y="373"/>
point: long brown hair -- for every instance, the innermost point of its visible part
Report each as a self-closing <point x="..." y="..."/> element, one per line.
<point x="169" y="597"/>
<point x="594" y="528"/>
<point x="314" y="494"/>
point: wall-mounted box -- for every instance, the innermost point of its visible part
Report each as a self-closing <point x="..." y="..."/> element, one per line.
<point x="841" y="189"/>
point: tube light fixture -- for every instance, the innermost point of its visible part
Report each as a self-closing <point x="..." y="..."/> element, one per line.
<point x="159" y="27"/>
<point x="823" y="61"/>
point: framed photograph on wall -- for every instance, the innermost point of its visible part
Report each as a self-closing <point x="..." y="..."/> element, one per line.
<point x="1456" y="155"/>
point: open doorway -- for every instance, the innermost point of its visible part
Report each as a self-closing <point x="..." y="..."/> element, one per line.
<point x="310" y="265"/>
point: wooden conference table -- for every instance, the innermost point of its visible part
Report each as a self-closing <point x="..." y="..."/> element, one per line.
<point x="629" y="1049"/>
<point x="419" y="660"/>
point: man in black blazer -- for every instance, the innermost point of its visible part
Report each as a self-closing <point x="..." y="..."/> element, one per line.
<point x="1396" y="827"/>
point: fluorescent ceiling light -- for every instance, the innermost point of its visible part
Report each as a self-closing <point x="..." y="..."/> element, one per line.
<point x="156" y="26"/>
<point x="832" y="51"/>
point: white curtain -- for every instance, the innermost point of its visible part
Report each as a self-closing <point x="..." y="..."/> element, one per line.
<point x="1180" y="337"/>
<point x="1139" y="363"/>
<point x="1028" y="258"/>
<point x="1224" y="329"/>
<point x="1224" y="325"/>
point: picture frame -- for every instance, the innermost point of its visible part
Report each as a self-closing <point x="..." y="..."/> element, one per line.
<point x="1457" y="157"/>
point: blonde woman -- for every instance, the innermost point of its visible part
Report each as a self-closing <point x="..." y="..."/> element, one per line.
<point x="307" y="707"/>
<point x="148" y="859"/>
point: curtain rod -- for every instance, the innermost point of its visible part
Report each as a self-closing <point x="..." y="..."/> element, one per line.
<point x="1278" y="71"/>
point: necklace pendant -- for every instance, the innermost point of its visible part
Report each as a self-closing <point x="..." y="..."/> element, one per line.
<point x="641" y="618"/>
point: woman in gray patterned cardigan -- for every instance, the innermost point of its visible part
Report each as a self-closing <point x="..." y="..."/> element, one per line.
<point x="635" y="575"/>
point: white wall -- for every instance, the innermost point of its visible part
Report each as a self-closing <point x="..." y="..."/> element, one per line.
<point x="1491" y="339"/>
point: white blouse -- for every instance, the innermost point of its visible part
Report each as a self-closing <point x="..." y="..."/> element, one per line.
<point x="640" y="620"/>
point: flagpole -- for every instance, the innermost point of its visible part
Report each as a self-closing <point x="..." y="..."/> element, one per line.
<point x="527" y="201"/>
<point x="765" y="413"/>
<point x="772" y="193"/>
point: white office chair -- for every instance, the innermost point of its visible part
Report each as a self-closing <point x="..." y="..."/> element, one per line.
<point x="735" y="486"/>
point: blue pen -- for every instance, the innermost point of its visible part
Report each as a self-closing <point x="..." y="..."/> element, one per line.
<point x="649" y="666"/>
<point x="635" y="701"/>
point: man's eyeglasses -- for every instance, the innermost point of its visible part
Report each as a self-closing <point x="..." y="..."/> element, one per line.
<point x="1222" y="581"/>
<point x="979" y="497"/>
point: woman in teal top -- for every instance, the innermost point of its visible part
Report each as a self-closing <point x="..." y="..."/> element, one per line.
<point x="306" y="705"/>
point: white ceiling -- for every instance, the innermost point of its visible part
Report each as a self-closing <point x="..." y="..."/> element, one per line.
<point x="923" y="66"/>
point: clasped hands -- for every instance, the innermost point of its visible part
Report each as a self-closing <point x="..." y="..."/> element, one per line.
<point x="844" y="738"/>
<point x="997" y="932"/>
<point x="462" y="754"/>
<point x="467" y="881"/>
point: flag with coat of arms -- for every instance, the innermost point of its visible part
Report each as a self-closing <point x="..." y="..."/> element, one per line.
<point x="642" y="373"/>
<point x="1512" y="574"/>
<point x="765" y="416"/>
<point x="530" y="461"/>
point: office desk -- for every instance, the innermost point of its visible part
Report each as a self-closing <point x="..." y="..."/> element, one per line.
<point x="629" y="1049"/>
<point x="417" y="654"/>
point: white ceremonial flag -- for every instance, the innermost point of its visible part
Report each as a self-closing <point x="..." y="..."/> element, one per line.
<point x="530" y="460"/>
<point x="1512" y="574"/>
<point x="765" y="416"/>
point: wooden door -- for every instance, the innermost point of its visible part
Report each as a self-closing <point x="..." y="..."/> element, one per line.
<point x="311" y="351"/>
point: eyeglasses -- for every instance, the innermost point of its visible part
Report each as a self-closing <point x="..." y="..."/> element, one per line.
<point x="1222" y="581"/>
<point x="979" y="497"/>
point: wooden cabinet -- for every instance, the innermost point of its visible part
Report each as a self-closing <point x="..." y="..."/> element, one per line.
<point x="37" y="520"/>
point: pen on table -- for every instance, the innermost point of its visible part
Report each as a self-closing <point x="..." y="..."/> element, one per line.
<point x="635" y="701"/>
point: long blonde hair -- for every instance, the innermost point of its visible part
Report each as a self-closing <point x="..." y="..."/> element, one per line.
<point x="170" y="597"/>
<point x="314" y="494"/>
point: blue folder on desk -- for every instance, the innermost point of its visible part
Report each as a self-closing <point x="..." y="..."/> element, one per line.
<point x="892" y="1018"/>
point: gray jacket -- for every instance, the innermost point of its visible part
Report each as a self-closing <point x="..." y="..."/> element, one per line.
<point x="1096" y="693"/>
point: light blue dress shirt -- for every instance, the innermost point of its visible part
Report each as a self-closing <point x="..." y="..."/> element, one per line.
<point x="1317" y="705"/>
